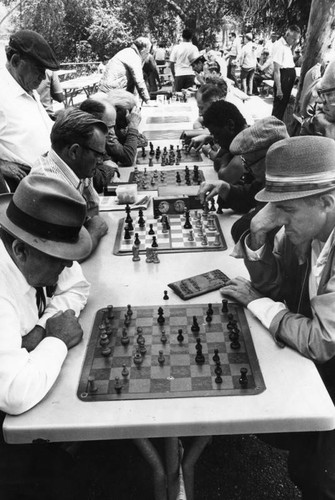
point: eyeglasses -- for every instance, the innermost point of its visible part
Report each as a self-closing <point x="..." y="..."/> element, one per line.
<point x="99" y="154"/>
<point x="248" y="177"/>
<point x="327" y="96"/>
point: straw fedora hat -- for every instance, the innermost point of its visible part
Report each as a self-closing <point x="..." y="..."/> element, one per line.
<point x="48" y="214"/>
<point x="298" y="167"/>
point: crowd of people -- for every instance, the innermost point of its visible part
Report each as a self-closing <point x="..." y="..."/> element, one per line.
<point x="52" y="168"/>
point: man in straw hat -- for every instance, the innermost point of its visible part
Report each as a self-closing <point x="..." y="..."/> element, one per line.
<point x="292" y="288"/>
<point x="41" y="236"/>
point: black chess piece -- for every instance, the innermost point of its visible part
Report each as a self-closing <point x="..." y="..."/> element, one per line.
<point x="154" y="243"/>
<point x="180" y="336"/>
<point x="137" y="241"/>
<point x="165" y="297"/>
<point x="127" y="235"/>
<point x="187" y="224"/>
<point x="195" y="328"/>
<point x="243" y="380"/>
<point x="151" y="230"/>
<point x="160" y="319"/>
<point x="216" y="356"/>
<point x="224" y="305"/>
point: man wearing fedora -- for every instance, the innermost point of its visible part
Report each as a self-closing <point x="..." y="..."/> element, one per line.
<point x="42" y="291"/>
<point x="24" y="123"/>
<point x="292" y="287"/>
<point x="78" y="141"/>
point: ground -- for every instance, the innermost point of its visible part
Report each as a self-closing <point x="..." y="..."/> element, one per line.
<point x="230" y="468"/>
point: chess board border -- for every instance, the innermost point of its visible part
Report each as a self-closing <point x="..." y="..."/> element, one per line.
<point x="245" y="391"/>
<point x="119" y="239"/>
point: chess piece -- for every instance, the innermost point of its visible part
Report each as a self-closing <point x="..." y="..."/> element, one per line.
<point x="160" y="319"/>
<point x="151" y="230"/>
<point x="149" y="255"/>
<point x="243" y="380"/>
<point x="195" y="328"/>
<point x="136" y="253"/>
<point x="165" y="297"/>
<point x="125" y="371"/>
<point x="127" y="235"/>
<point x="224" y="305"/>
<point x="155" y="258"/>
<point x="180" y="336"/>
<point x="163" y="337"/>
<point x="137" y="241"/>
<point x="217" y="242"/>
<point x="104" y="340"/>
<point x="137" y="358"/>
<point x="210" y="311"/>
<point x="129" y="310"/>
<point x="216" y="357"/>
<point x="161" y="358"/>
<point x="199" y="358"/>
<point x="110" y="312"/>
<point x="118" y="385"/>
<point x="92" y="387"/>
<point x="154" y="243"/>
<point x="124" y="338"/>
<point x="191" y="236"/>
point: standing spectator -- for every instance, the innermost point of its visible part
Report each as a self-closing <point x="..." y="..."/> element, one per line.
<point x="233" y="55"/>
<point x="180" y="62"/>
<point x="160" y="54"/>
<point x="284" y="70"/>
<point x="124" y="70"/>
<point x="150" y="73"/>
<point x="24" y="124"/>
<point x="248" y="63"/>
<point x="264" y="71"/>
<point x="49" y="89"/>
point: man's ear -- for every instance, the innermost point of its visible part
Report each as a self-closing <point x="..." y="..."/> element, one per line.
<point x="73" y="151"/>
<point x="20" y="251"/>
<point x="15" y="60"/>
<point x="328" y="201"/>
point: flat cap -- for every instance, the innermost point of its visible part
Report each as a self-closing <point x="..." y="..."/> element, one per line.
<point x="32" y="44"/>
<point x="261" y="135"/>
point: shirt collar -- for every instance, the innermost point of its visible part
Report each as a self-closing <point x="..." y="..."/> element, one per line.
<point x="321" y="253"/>
<point x="65" y="169"/>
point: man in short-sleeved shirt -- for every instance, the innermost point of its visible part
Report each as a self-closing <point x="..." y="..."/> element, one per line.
<point x="283" y="70"/>
<point x="181" y="59"/>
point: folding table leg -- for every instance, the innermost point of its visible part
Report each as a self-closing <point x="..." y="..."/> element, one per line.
<point x="172" y="459"/>
<point x="151" y="455"/>
<point x="190" y="458"/>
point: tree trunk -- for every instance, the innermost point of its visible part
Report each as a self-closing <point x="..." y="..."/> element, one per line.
<point x="320" y="34"/>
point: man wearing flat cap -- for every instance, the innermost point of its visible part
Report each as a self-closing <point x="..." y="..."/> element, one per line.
<point x="251" y="145"/>
<point x="292" y="287"/>
<point x="24" y="123"/>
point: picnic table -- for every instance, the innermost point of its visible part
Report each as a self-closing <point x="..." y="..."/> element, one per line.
<point x="83" y="84"/>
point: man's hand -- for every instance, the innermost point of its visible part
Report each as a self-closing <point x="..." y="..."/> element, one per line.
<point x="241" y="290"/>
<point x="134" y="118"/>
<point x="279" y="94"/>
<point x="112" y="167"/>
<point x="261" y="224"/>
<point x="14" y="170"/>
<point x="208" y="190"/>
<point x="96" y="226"/>
<point x="198" y="141"/>
<point x="65" y="326"/>
<point x="33" y="338"/>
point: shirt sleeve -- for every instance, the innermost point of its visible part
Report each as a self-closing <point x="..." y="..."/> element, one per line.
<point x="71" y="293"/>
<point x="277" y="53"/>
<point x="123" y="153"/>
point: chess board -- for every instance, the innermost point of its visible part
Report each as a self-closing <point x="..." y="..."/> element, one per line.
<point x="152" y="179"/>
<point x="175" y="240"/>
<point x="186" y="157"/>
<point x="179" y="376"/>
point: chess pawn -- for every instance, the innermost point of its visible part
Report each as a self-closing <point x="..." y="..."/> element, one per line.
<point x="92" y="387"/>
<point x="163" y="337"/>
<point x="125" y="371"/>
<point x="124" y="338"/>
<point x="243" y="380"/>
<point x="118" y="385"/>
<point x="137" y="358"/>
<point x="161" y="358"/>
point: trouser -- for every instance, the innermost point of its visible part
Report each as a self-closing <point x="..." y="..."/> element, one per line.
<point x="311" y="463"/>
<point x="231" y="70"/>
<point x="247" y="77"/>
<point x="183" y="82"/>
<point x="287" y="79"/>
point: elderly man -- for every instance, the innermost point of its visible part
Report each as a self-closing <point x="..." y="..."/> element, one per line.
<point x="77" y="146"/>
<point x="292" y="288"/>
<point x="124" y="70"/>
<point x="24" y="123"/>
<point x="284" y="70"/>
<point x="42" y="292"/>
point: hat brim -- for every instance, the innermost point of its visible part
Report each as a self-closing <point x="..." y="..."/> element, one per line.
<point x="59" y="249"/>
<point x="269" y="196"/>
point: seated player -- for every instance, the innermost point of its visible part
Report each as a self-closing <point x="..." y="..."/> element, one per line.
<point x="24" y="123"/>
<point x="77" y="146"/>
<point x="292" y="287"/>
<point x="251" y="145"/>
<point x="322" y="118"/>
<point x="42" y="292"/>
<point x="224" y="122"/>
<point x="122" y="153"/>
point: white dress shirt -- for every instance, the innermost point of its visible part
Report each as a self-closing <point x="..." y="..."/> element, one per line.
<point x="26" y="377"/>
<point x="282" y="54"/>
<point x="25" y="125"/>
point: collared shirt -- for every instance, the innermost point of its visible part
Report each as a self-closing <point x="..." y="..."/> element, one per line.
<point x="235" y="48"/>
<point x="266" y="309"/>
<point x="248" y="58"/>
<point x="282" y="54"/>
<point x="24" y="124"/>
<point x="181" y="56"/>
<point x="53" y="164"/>
<point x="26" y="377"/>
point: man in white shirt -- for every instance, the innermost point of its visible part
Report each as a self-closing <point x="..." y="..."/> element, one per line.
<point x="181" y="59"/>
<point x="292" y="288"/>
<point x="78" y="142"/>
<point x="284" y="70"/>
<point x="24" y="123"/>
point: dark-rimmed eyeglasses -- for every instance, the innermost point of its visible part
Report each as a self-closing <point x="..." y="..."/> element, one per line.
<point x="327" y="96"/>
<point x="99" y="154"/>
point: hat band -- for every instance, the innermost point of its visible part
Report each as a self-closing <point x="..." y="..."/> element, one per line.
<point x="286" y="187"/>
<point x="40" y="228"/>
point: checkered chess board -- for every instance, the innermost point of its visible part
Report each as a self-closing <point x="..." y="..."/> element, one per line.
<point x="179" y="375"/>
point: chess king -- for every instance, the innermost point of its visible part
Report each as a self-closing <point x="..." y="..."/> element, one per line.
<point x="292" y="288"/>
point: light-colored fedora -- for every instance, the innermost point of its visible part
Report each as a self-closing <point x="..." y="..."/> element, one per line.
<point x="48" y="214"/>
<point x="298" y="167"/>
